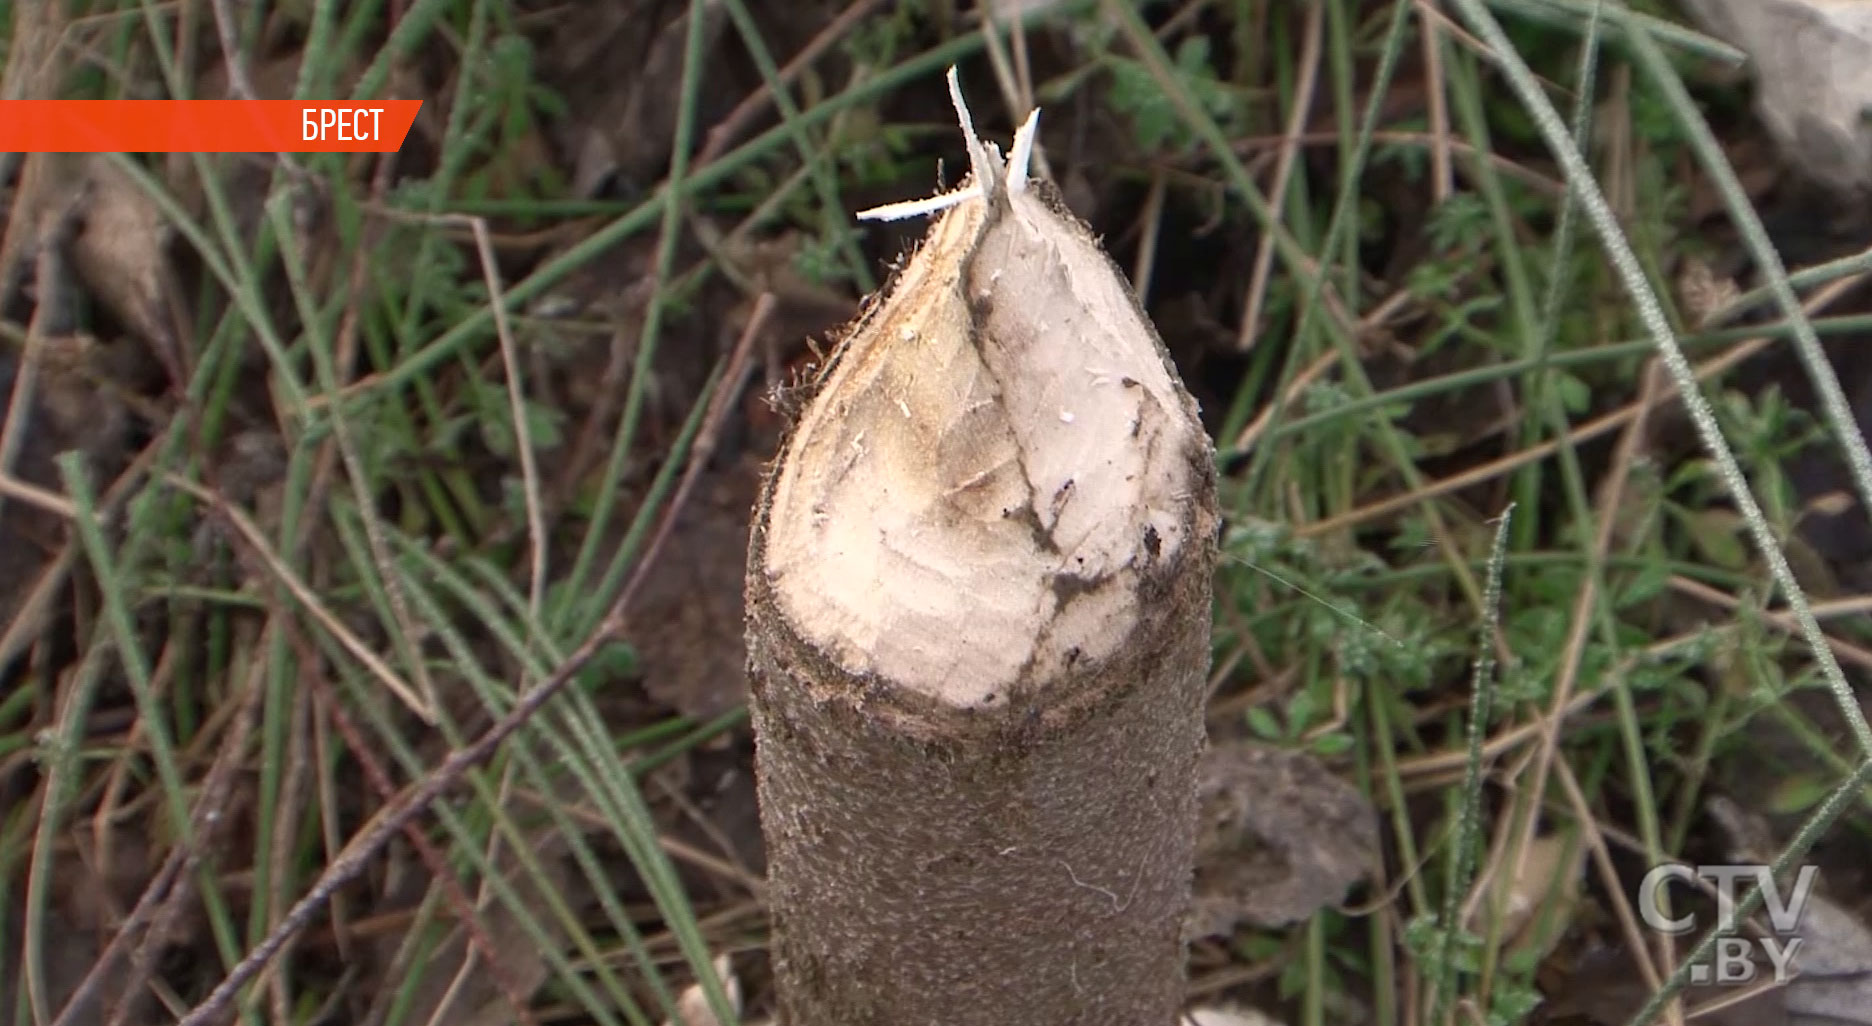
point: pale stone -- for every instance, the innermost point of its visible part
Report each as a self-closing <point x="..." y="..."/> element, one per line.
<point x="1813" y="64"/>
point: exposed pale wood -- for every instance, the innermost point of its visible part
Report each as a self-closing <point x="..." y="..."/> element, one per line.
<point x="978" y="599"/>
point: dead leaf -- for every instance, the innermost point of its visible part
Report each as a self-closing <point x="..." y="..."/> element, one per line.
<point x="122" y="255"/>
<point x="1536" y="900"/>
<point x="620" y="66"/>
<point x="691" y="607"/>
<point x="68" y="411"/>
<point x="1280" y="837"/>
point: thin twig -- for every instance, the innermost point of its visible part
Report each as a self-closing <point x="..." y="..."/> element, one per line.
<point x="1573" y="651"/>
<point x="516" y="401"/>
<point x="725" y="130"/>
<point x="34" y="64"/>
<point x="250" y="533"/>
<point x="290" y="798"/>
<point x="1532" y="454"/>
<point x="406" y="640"/>
<point x="49" y="275"/>
<point x="1635" y="941"/>
<point x="439" y="869"/>
<point x="1312" y="372"/>
<point x="1442" y="174"/>
<point x="1011" y="69"/>
<point x="1150" y="225"/>
<point x="240" y="87"/>
<point x="1507" y="166"/>
<point x="1308" y="77"/>
<point x="212" y="797"/>
<point x="394" y="819"/>
<point x="31" y="494"/>
<point x="131" y="928"/>
<point x="1779" y="618"/>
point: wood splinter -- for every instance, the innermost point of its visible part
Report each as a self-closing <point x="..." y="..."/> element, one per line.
<point x="978" y="600"/>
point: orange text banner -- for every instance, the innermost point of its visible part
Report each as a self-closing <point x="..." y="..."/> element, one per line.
<point x="204" y="126"/>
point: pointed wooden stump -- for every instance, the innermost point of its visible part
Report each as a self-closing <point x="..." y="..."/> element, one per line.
<point x="978" y="624"/>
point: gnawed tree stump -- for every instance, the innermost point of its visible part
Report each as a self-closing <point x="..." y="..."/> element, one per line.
<point x="978" y="624"/>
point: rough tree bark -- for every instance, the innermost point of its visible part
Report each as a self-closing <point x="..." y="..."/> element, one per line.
<point x="978" y="624"/>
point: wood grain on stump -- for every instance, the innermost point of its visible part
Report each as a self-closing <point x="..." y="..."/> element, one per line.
<point x="978" y="627"/>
